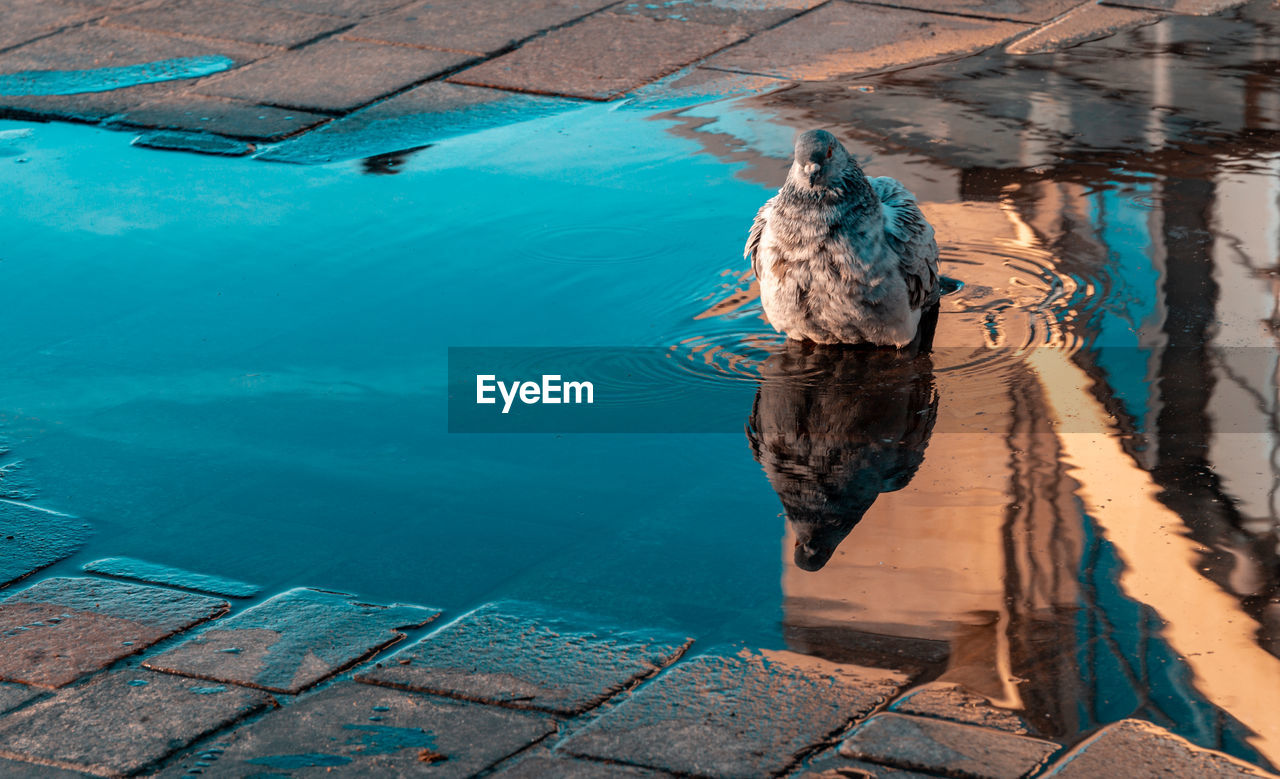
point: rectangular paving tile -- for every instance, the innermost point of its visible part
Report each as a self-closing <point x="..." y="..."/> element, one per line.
<point x="61" y="629"/>
<point x="601" y="57"/>
<point x="86" y="48"/>
<point x="528" y="656"/>
<point x="745" y="715"/>
<point x="291" y="641"/>
<point x="421" y="116"/>
<point x="480" y="26"/>
<point x="231" y="20"/>
<point x="153" y="573"/>
<point x="358" y="730"/>
<point x="333" y="75"/>
<point x="1189" y="7"/>
<point x="24" y="20"/>
<point x="1086" y="23"/>
<point x="1148" y="751"/>
<point x="938" y="746"/>
<point x="843" y="39"/>
<point x="1012" y="10"/>
<point x="223" y="116"/>
<point x="353" y="9"/>
<point x="539" y="766"/>
<point x="123" y="722"/>
<point x="31" y="538"/>
<point x="749" y="15"/>
<point x="14" y="695"/>
<point x="831" y="765"/>
<point x="944" y="700"/>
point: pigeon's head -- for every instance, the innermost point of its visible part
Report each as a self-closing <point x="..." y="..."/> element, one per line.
<point x="820" y="159"/>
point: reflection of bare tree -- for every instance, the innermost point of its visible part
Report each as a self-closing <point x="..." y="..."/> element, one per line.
<point x="834" y="427"/>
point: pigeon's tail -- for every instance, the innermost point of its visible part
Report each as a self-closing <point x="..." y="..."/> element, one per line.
<point x="923" y="342"/>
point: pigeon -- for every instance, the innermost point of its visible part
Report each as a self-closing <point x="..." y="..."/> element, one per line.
<point x="842" y="258"/>
<point x="834" y="427"/>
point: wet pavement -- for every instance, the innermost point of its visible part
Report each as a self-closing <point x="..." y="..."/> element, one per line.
<point x="1048" y="548"/>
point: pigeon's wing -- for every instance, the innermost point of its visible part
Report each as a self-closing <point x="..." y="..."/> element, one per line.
<point x="911" y="238"/>
<point x="752" y="252"/>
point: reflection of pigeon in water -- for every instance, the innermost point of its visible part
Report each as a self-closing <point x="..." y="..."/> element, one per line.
<point x="842" y="258"/>
<point x="835" y="426"/>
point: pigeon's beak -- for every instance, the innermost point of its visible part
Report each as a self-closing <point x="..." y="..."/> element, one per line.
<point x="811" y="170"/>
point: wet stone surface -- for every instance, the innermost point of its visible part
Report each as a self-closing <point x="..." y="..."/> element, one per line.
<point x="31" y="539"/>
<point x="358" y="730"/>
<point x="333" y="75"/>
<point x="831" y="765"/>
<point x="425" y="114"/>
<point x="291" y="641"/>
<point x="843" y="39"/>
<point x="539" y="766"/>
<point x="949" y="748"/>
<point x="14" y="695"/>
<point x="24" y="20"/>
<point x="749" y="15"/>
<point x="523" y="655"/>
<point x="123" y="722"/>
<point x="1013" y="10"/>
<point x="601" y="57"/>
<point x="199" y="143"/>
<point x="481" y="27"/>
<point x="235" y="21"/>
<point x="232" y="118"/>
<point x="746" y="715"/>
<point x="61" y="629"/>
<point x="152" y="573"/>
<point x="1147" y="751"/>
<point x="1086" y="23"/>
<point x="951" y="702"/>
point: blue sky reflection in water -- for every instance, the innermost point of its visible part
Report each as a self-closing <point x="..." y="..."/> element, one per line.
<point x="240" y="368"/>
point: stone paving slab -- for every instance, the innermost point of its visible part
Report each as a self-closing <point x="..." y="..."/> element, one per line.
<point x="1086" y="23"/>
<point x="153" y="573"/>
<point x="541" y="766"/>
<point x="845" y="39"/>
<point x="419" y="117"/>
<point x="291" y="641"/>
<point x="1189" y="7"/>
<point x="32" y="538"/>
<point x="1009" y="10"/>
<point x="745" y="715"/>
<point x="123" y="722"/>
<point x="230" y="20"/>
<point x="747" y="15"/>
<point x="601" y="57"/>
<point x="14" y="695"/>
<point x="97" y="47"/>
<point x="476" y="26"/>
<point x="358" y="730"/>
<point x="1147" y="751"/>
<point x="12" y="769"/>
<point x="947" y="748"/>
<point x="944" y="700"/>
<point x="528" y="656"/>
<point x="354" y="9"/>
<point x="221" y="116"/>
<point x="333" y="75"/>
<point x="201" y="143"/>
<point x="831" y="765"/>
<point x="61" y="629"/>
<point x="24" y="20"/>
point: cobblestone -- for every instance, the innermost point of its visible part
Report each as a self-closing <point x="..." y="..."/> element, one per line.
<point x="231" y="20"/>
<point x="31" y="539"/>
<point x="151" y="573"/>
<point x="949" y="748"/>
<point x="951" y="702"/>
<point x="61" y="629"/>
<point x="1147" y="752"/>
<point x="525" y="656"/>
<point x="291" y="641"/>
<point x="231" y="118"/>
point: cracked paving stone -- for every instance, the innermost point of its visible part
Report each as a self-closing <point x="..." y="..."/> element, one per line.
<point x="944" y="700"/>
<point x="949" y="748"/>
<point x="845" y="39"/>
<point x="87" y="48"/>
<point x="231" y="118"/>
<point x="1147" y="751"/>
<point x="231" y="20"/>
<point x="61" y="629"/>
<point x="123" y="722"/>
<point x="333" y="75"/>
<point x="477" y="26"/>
<point x="528" y="656"/>
<point x="601" y="57"/>
<point x="570" y="768"/>
<point x="152" y="573"/>
<point x="1009" y="10"/>
<point x="1086" y="23"/>
<point x="31" y="539"/>
<point x="419" y="117"/>
<point x="745" y="715"/>
<point x="358" y="730"/>
<point x="291" y="641"/>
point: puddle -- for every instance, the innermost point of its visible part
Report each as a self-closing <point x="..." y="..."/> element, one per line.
<point x="1068" y="508"/>
<point x="74" y="82"/>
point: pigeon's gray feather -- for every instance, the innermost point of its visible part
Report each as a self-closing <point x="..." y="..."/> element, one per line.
<point x="841" y="258"/>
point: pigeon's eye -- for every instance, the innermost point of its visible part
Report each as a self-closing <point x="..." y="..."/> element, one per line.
<point x="830" y="150"/>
